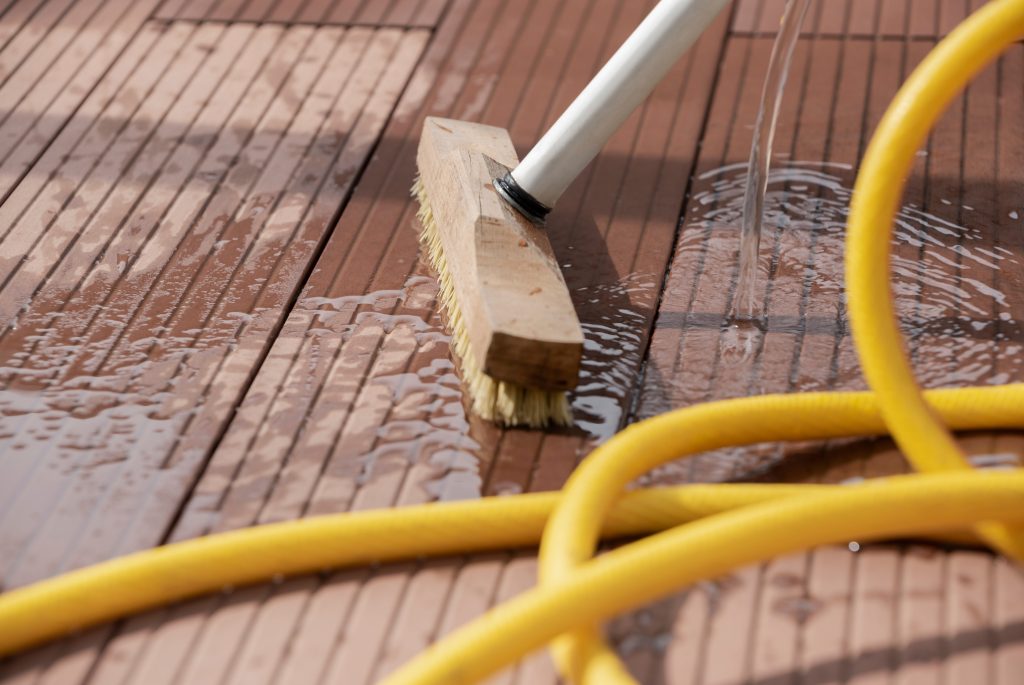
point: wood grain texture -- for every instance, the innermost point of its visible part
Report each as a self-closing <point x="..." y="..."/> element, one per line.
<point x="171" y="242"/>
<point x="183" y="367"/>
<point x="397" y="13"/>
<point x="886" y="19"/>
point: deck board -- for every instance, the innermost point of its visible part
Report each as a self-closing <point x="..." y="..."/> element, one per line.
<point x="215" y="315"/>
<point x="185" y="199"/>
<point x="932" y="636"/>
<point x="397" y="13"/>
<point x="383" y="393"/>
<point x="890" y="19"/>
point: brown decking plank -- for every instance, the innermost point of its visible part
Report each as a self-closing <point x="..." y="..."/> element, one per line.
<point x="259" y="10"/>
<point x="681" y="377"/>
<point x="400" y="51"/>
<point x="169" y="9"/>
<point x="18" y="189"/>
<point x="872" y="650"/>
<point x="780" y="611"/>
<point x="372" y="11"/>
<point x="23" y="215"/>
<point x="59" y="17"/>
<point x="52" y="106"/>
<point x="40" y="667"/>
<point x="863" y="17"/>
<point x="826" y="617"/>
<point x="834" y="16"/>
<point x="196" y="10"/>
<point x="339" y="485"/>
<point x="924" y="16"/>
<point x="970" y="618"/>
<point x="227" y="10"/>
<point x="319" y="185"/>
<point x="377" y="13"/>
<point x="414" y="627"/>
<point x="154" y="158"/>
<point x="318" y="631"/>
<point x="727" y="649"/>
<point x="311" y="10"/>
<point x="283" y="11"/>
<point x="341" y="318"/>
<point x="950" y="13"/>
<point x="1008" y="609"/>
<point x="15" y="16"/>
<point x="15" y="536"/>
<point x="345" y="10"/>
<point x="925" y="19"/>
<point x="270" y="634"/>
<point x="169" y="636"/>
<point x="355" y="656"/>
<point x="280" y="246"/>
<point x="61" y="66"/>
<point x="920" y="606"/>
<point x="520" y="574"/>
<point x="309" y="461"/>
<point x="430" y="12"/>
<point x="216" y="163"/>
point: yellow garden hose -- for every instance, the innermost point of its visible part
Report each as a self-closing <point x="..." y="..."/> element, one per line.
<point x="571" y="537"/>
<point x="654" y="567"/>
<point x="725" y="525"/>
<point x="921" y="435"/>
<point x="152" y="578"/>
<point x="130" y="584"/>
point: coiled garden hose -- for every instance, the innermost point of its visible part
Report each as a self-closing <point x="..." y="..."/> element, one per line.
<point x="921" y="433"/>
<point x="729" y="525"/>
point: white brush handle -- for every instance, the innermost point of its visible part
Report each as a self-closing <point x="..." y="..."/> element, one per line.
<point x="608" y="100"/>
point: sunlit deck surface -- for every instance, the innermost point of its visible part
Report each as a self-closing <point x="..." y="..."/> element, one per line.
<point x="214" y="314"/>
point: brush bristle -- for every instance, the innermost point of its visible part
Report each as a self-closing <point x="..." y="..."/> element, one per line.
<point x="494" y="400"/>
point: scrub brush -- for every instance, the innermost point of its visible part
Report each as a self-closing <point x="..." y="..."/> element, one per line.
<point x="512" y="321"/>
<point x="513" y="325"/>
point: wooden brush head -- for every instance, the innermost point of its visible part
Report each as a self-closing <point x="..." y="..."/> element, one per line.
<point x="507" y="285"/>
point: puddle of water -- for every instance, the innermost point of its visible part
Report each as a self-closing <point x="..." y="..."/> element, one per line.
<point x="951" y="309"/>
<point x="107" y="401"/>
<point x="612" y="353"/>
<point x="799" y="608"/>
<point x="78" y="395"/>
<point x="426" y="426"/>
<point x="1000" y="460"/>
<point x="87" y="414"/>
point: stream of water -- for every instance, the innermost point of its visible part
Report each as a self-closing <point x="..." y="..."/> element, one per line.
<point x="745" y="306"/>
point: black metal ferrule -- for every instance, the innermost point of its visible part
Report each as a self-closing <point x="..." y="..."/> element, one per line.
<point x="526" y="204"/>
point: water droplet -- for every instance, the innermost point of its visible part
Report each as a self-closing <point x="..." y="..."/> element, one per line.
<point x="1000" y="460"/>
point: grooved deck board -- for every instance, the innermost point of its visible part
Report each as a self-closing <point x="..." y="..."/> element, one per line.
<point x="367" y="410"/>
<point x="919" y="19"/>
<point x="911" y="613"/>
<point x="398" y="13"/>
<point x="213" y="314"/>
<point x="148" y="258"/>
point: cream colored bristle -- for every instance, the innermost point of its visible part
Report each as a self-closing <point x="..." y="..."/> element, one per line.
<point x="494" y="400"/>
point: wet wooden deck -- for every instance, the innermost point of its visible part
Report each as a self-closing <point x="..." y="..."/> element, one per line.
<point x="213" y="314"/>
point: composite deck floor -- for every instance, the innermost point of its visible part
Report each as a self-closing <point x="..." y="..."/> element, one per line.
<point x="213" y="314"/>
